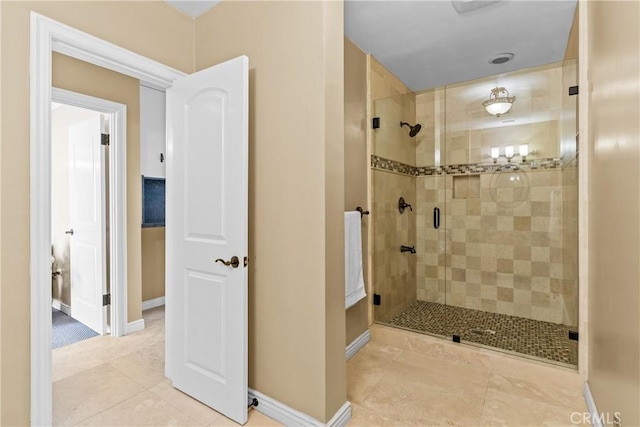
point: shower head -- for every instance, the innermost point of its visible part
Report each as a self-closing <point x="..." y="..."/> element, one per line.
<point x="413" y="129"/>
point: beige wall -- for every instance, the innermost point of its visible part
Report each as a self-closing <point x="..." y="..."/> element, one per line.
<point x="61" y="119"/>
<point x="296" y="193"/>
<point x="167" y="38"/>
<point x="297" y="130"/>
<point x="81" y="77"/>
<point x="153" y="261"/>
<point x="356" y="166"/>
<point x="614" y="206"/>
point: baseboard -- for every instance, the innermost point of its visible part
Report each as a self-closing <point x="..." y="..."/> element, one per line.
<point x="358" y="343"/>
<point x="135" y="326"/>
<point x="596" y="420"/>
<point x="342" y="417"/>
<point x="152" y="303"/>
<point x="58" y="305"/>
<point x="292" y="417"/>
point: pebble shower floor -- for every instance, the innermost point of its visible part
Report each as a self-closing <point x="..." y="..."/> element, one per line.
<point x="530" y="337"/>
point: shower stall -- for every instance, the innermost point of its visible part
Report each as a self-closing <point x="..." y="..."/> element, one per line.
<point x="493" y="218"/>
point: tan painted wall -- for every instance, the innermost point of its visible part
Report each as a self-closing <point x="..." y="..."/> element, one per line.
<point x="77" y="76"/>
<point x="613" y="68"/>
<point x="356" y="166"/>
<point x="296" y="193"/>
<point x="167" y="38"/>
<point x="61" y="119"/>
<point x="153" y="262"/>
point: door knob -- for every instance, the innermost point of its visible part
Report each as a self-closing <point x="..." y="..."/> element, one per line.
<point x="234" y="262"/>
<point x="69" y="232"/>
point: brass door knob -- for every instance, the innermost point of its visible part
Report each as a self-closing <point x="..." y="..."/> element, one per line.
<point x="234" y="262"/>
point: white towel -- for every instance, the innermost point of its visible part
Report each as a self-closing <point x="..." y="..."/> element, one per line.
<point x="354" y="279"/>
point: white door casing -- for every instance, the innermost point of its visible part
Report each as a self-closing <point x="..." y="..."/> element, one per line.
<point x="47" y="36"/>
<point x="207" y="192"/>
<point x="87" y="193"/>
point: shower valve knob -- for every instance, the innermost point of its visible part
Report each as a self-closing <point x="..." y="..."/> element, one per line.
<point x="70" y="232"/>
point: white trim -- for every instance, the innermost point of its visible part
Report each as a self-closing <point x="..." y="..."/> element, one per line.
<point x="358" y="343"/>
<point x="47" y="36"/>
<point x="135" y="326"/>
<point x="60" y="306"/>
<point x="152" y="303"/>
<point x="596" y="420"/>
<point x="117" y="197"/>
<point x="342" y="417"/>
<point x="292" y="417"/>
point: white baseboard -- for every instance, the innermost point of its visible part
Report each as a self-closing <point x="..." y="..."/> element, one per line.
<point x="342" y="417"/>
<point x="135" y="326"/>
<point x="292" y="417"/>
<point x="596" y="421"/>
<point x="58" y="305"/>
<point x="152" y="303"/>
<point x="358" y="343"/>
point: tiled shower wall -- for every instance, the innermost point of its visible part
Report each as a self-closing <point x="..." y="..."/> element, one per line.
<point x="503" y="246"/>
<point x="497" y="249"/>
<point x="394" y="273"/>
<point x="568" y="148"/>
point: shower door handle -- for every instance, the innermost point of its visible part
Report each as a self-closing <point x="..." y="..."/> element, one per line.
<point x="436" y="218"/>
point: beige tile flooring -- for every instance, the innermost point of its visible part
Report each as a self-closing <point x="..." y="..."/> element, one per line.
<point x="106" y="381"/>
<point x="402" y="378"/>
<point x="399" y="378"/>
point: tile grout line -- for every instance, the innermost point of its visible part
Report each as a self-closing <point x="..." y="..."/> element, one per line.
<point x="107" y="408"/>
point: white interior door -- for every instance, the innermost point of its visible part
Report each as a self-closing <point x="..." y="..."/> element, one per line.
<point x="87" y="223"/>
<point x="206" y="305"/>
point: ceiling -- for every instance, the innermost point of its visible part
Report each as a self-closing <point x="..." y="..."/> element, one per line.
<point x="193" y="8"/>
<point x="429" y="43"/>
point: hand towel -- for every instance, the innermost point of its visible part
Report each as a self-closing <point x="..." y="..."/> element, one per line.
<point x="353" y="276"/>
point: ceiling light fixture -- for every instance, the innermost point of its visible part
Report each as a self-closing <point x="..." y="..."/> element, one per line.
<point x="497" y="104"/>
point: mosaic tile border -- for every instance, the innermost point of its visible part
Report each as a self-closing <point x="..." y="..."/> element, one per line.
<point x="381" y="163"/>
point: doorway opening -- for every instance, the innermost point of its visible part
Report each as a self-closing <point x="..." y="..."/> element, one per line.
<point x="79" y="223"/>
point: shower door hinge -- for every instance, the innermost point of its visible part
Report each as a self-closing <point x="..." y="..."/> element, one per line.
<point x="573" y="90"/>
<point x="376" y="299"/>
<point x="106" y="299"/>
<point x="573" y="335"/>
<point x="105" y="139"/>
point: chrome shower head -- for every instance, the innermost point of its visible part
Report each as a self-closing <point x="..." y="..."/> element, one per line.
<point x="413" y="129"/>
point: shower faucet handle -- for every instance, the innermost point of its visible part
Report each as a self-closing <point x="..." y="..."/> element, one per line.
<point x="402" y="205"/>
<point x="70" y="231"/>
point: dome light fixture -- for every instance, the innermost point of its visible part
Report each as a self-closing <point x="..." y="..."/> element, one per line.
<point x="499" y="104"/>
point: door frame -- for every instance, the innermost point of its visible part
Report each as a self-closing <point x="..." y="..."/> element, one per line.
<point x="117" y="188"/>
<point x="47" y="36"/>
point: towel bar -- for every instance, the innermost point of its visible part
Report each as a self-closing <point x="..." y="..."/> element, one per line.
<point x="362" y="211"/>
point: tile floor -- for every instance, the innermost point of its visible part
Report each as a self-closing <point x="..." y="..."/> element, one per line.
<point x="402" y="378"/>
<point x="398" y="379"/>
<point x="107" y="381"/>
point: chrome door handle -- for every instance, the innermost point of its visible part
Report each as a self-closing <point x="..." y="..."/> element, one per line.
<point x="234" y="262"/>
<point x="70" y="231"/>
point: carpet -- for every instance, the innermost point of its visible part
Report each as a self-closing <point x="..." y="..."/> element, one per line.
<point x="67" y="330"/>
